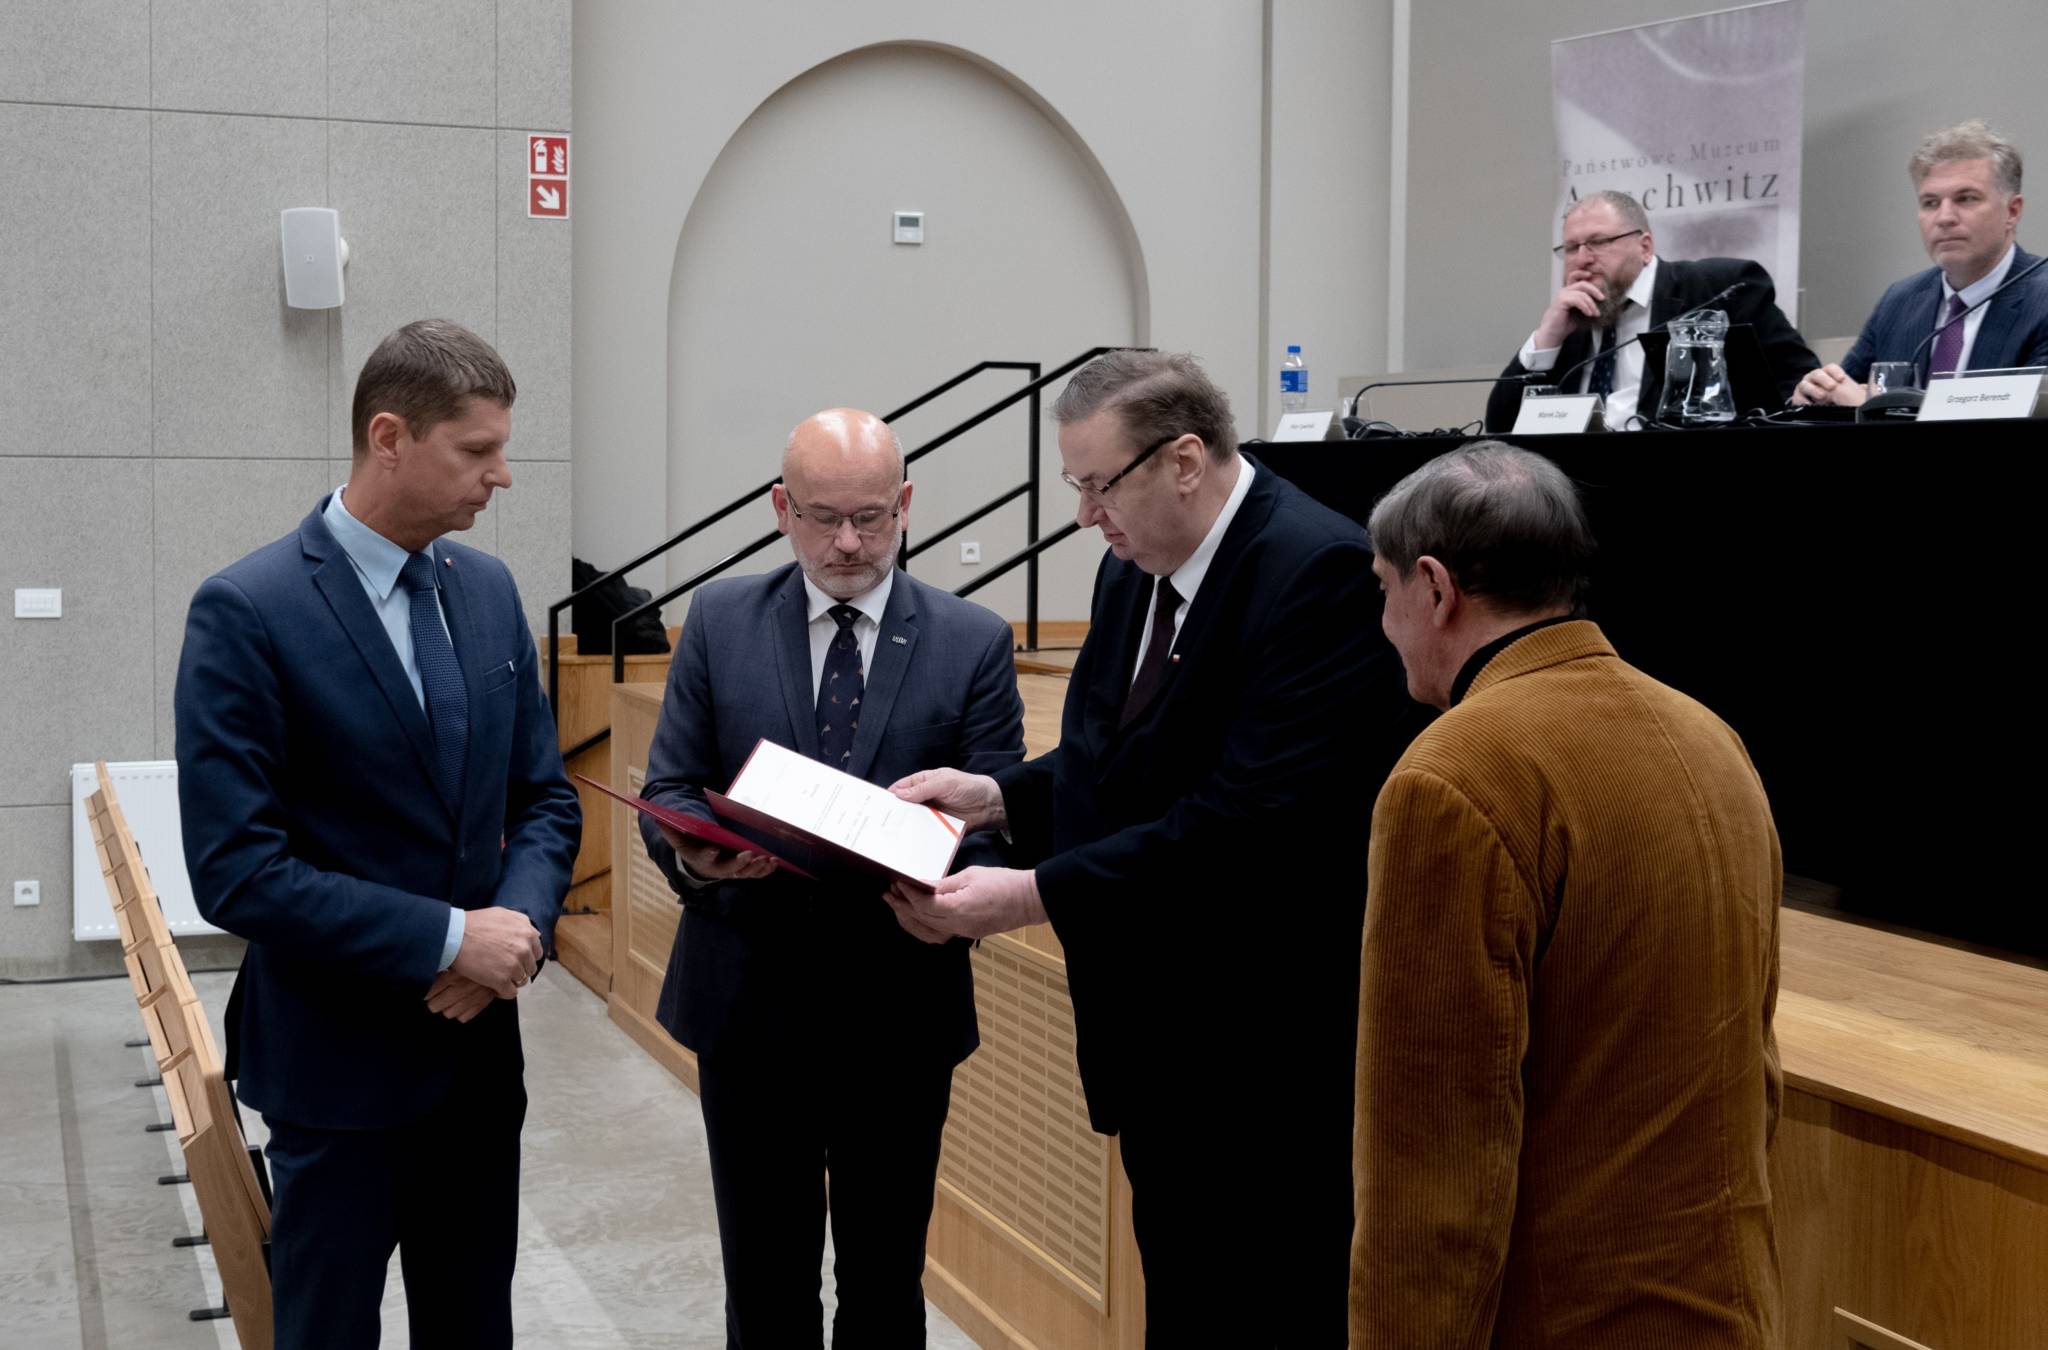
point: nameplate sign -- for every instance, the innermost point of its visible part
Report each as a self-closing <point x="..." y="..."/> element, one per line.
<point x="1302" y="426"/>
<point x="1974" y="397"/>
<point x="1558" y="414"/>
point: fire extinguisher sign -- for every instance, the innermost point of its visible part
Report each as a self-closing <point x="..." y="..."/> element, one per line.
<point x="547" y="176"/>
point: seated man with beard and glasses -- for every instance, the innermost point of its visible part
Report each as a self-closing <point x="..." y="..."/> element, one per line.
<point x="1616" y="289"/>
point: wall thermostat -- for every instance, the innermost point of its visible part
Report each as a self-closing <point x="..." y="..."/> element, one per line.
<point x="909" y="227"/>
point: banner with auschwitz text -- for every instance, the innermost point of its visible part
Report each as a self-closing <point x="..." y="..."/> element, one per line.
<point x="1699" y="120"/>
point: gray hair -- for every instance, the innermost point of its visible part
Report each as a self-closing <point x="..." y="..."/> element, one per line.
<point x="1508" y="525"/>
<point x="1156" y="395"/>
<point x="1973" y="139"/>
<point x="1628" y="208"/>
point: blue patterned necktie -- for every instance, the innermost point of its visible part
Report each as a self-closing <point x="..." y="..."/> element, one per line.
<point x="1602" y="380"/>
<point x="839" y="690"/>
<point x="440" y="676"/>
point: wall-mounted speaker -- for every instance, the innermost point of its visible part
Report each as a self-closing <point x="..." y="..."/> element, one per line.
<point x="314" y="254"/>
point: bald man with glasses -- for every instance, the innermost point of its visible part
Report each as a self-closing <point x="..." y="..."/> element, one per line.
<point x="1194" y="843"/>
<point x="1616" y="289"/>
<point x="825" y="1035"/>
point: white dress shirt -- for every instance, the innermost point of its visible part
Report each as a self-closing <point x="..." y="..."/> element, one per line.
<point x="377" y="562"/>
<point x="1971" y="294"/>
<point x="1632" y="322"/>
<point x="1187" y="578"/>
<point x="823" y="627"/>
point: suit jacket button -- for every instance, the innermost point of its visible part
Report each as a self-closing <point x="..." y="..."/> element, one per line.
<point x="462" y="855"/>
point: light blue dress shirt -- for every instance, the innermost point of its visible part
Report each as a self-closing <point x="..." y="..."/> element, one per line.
<point x="377" y="562"/>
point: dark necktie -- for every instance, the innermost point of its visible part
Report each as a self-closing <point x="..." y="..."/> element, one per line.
<point x="1158" y="651"/>
<point x="1948" y="346"/>
<point x="839" y="691"/>
<point x="440" y="676"/>
<point x="1601" y="381"/>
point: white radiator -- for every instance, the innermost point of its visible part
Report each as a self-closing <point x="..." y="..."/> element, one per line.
<point x="148" y="793"/>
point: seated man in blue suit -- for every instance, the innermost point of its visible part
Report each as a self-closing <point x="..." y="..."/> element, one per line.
<point x="1968" y="180"/>
<point x="825" y="1036"/>
<point x="372" y="795"/>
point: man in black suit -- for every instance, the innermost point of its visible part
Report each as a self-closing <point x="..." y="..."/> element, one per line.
<point x="1196" y="842"/>
<point x="1615" y="289"/>
<point x="825" y="1036"/>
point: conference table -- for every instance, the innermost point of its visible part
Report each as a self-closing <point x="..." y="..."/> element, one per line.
<point x="1855" y="600"/>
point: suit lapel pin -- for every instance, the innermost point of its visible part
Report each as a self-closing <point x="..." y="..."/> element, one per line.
<point x="1173" y="659"/>
<point x="899" y="639"/>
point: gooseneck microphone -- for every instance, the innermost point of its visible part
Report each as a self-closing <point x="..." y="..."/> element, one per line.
<point x="1716" y="298"/>
<point x="1941" y="328"/>
<point x="1354" y="429"/>
<point x="1351" y="406"/>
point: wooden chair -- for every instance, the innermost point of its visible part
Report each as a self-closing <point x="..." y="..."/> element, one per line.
<point x="233" y="1201"/>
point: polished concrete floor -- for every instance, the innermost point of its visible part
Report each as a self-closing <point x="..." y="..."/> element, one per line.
<point x="618" y="1243"/>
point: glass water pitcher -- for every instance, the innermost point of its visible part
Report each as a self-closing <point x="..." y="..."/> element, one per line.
<point x="1696" y="388"/>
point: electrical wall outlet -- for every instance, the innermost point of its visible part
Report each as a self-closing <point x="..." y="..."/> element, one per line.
<point x="28" y="893"/>
<point x="970" y="551"/>
<point x="38" y="602"/>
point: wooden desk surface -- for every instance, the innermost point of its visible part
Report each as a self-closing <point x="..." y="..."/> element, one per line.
<point x="647" y="692"/>
<point x="1946" y="1040"/>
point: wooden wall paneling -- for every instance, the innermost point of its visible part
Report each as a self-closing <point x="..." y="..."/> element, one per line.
<point x="645" y="912"/>
<point x="585" y="710"/>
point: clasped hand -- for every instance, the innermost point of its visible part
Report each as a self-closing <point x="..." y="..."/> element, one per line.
<point x="500" y="952"/>
<point x="1830" y="384"/>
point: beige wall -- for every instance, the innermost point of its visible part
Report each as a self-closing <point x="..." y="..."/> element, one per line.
<point x="1168" y="98"/>
<point x="161" y="411"/>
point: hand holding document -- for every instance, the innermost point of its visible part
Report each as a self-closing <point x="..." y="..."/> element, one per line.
<point x="696" y="827"/>
<point x="792" y="797"/>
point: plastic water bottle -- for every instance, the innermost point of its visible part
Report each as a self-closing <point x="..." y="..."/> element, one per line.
<point x="1293" y="382"/>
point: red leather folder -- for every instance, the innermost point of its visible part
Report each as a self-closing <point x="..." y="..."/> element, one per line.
<point x="696" y="827"/>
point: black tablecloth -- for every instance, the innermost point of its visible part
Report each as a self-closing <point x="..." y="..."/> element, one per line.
<point x="1858" y="602"/>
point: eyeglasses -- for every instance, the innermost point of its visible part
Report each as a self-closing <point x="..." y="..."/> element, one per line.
<point x="1569" y="247"/>
<point x="1101" y="493"/>
<point x="869" y="522"/>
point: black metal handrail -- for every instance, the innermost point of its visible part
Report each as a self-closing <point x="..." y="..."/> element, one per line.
<point x="1026" y="558"/>
<point x="744" y="499"/>
<point x="1030" y="489"/>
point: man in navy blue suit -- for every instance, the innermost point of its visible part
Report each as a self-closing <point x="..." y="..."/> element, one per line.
<point x="372" y="795"/>
<point x="825" y="1036"/>
<point x="1968" y="180"/>
<point x="1198" y="846"/>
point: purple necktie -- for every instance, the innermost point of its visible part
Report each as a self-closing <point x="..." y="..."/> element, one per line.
<point x="1948" y="346"/>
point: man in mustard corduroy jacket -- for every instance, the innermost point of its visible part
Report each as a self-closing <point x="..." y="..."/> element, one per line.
<point x="1567" y="1079"/>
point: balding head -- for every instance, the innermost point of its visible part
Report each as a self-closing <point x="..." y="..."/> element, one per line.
<point x="842" y="499"/>
<point x="839" y="440"/>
